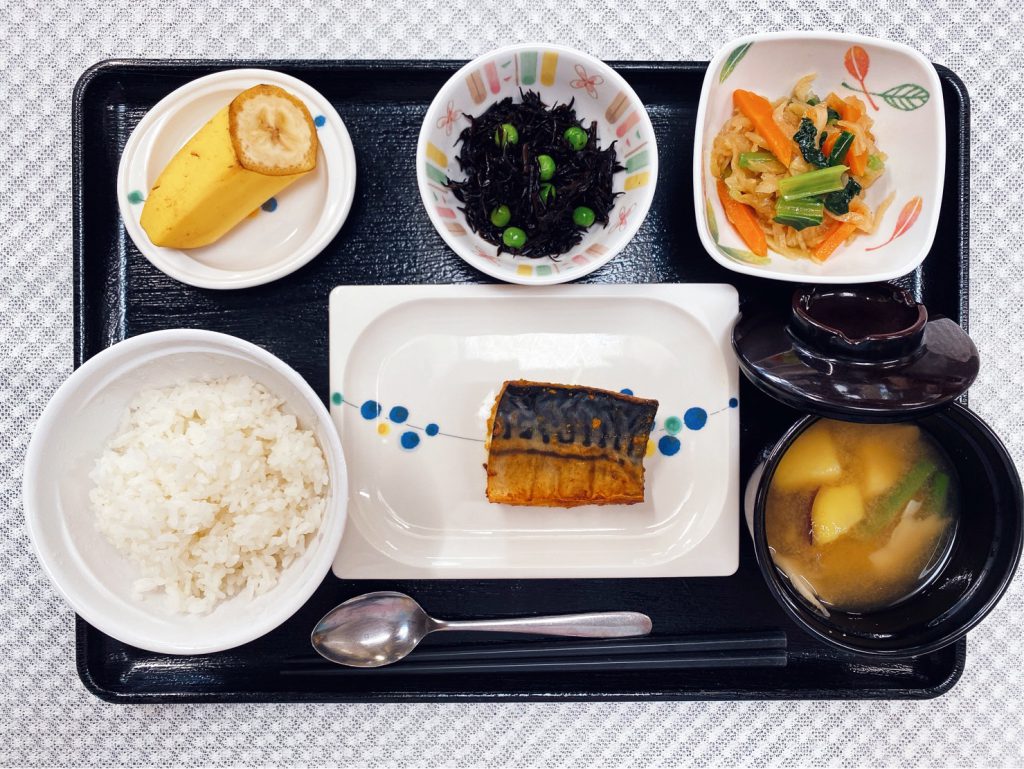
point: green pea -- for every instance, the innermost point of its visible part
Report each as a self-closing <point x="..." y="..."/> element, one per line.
<point x="576" y="137"/>
<point x="506" y="134"/>
<point x="547" y="167"/>
<point x="546" y="191"/>
<point x="513" y="237"/>
<point x="501" y="215"/>
<point x="583" y="216"/>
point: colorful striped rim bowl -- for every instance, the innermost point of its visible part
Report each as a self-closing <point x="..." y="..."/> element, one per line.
<point x="900" y="91"/>
<point x="559" y="75"/>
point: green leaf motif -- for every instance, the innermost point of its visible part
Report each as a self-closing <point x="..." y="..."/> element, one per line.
<point x="712" y="221"/>
<point x="732" y="60"/>
<point x="906" y="97"/>
<point x="741" y="255"/>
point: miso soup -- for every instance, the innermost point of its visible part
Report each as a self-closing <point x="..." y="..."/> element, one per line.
<point x="860" y="516"/>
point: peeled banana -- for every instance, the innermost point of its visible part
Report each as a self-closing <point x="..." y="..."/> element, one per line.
<point x="260" y="143"/>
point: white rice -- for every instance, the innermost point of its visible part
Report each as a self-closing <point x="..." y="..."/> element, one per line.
<point x="210" y="489"/>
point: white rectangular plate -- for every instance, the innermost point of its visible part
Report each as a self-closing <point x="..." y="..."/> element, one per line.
<point x="414" y="373"/>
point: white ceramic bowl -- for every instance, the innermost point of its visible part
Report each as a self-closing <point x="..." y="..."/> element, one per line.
<point x="906" y="105"/>
<point x="558" y="74"/>
<point x="286" y="232"/>
<point x="70" y="435"/>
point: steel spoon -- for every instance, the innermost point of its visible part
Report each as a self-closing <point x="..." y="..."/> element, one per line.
<point x="376" y="629"/>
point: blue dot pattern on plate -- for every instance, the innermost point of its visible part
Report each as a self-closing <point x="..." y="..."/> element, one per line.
<point x="733" y="403"/>
<point x="370" y="410"/>
<point x="337" y="399"/>
<point x="270" y="205"/>
<point x="135" y="197"/>
<point x="398" y="414"/>
<point x="695" y="418"/>
<point x="625" y="391"/>
<point x="319" y="121"/>
<point x="673" y="425"/>
<point x="431" y="429"/>
<point x="409" y="440"/>
<point x="668" y="445"/>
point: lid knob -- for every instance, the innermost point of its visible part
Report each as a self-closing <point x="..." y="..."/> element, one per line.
<point x="864" y="353"/>
<point x="874" y="322"/>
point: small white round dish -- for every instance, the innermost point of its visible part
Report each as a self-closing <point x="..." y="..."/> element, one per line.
<point x="71" y="433"/>
<point x="558" y="74"/>
<point x="903" y="96"/>
<point x="282" y="235"/>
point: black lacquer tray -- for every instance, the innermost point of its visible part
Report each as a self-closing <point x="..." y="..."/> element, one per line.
<point x="389" y="239"/>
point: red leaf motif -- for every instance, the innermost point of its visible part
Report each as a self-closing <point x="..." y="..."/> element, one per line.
<point x="857" y="62"/>
<point x="908" y="215"/>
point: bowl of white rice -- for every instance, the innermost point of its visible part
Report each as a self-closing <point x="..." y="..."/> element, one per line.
<point x="185" y="491"/>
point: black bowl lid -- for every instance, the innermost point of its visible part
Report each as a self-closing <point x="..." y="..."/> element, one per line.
<point x="859" y="353"/>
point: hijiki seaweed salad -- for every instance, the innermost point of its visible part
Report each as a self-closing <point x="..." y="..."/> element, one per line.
<point x="535" y="179"/>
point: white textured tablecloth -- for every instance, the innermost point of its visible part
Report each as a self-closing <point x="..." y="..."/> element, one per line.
<point x="47" y="717"/>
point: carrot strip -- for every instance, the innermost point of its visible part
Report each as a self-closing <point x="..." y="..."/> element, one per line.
<point x="830" y="144"/>
<point x="759" y="110"/>
<point x="743" y="218"/>
<point x="858" y="163"/>
<point x="837" y="235"/>
<point x="848" y="108"/>
<point x="850" y="111"/>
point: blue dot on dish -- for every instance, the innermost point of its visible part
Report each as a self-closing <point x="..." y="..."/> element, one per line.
<point x="733" y="403"/>
<point x="337" y="399"/>
<point x="398" y="414"/>
<point x="669" y="445"/>
<point x="431" y="429"/>
<point x="695" y="418"/>
<point x="409" y="440"/>
<point x="135" y="197"/>
<point x="673" y="425"/>
<point x="370" y="410"/>
<point x="625" y="391"/>
<point x="270" y="205"/>
<point x="319" y="121"/>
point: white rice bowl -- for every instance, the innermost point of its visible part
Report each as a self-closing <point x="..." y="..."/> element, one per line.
<point x="210" y="489"/>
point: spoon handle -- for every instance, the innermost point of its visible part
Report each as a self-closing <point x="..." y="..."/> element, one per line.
<point x="609" y="624"/>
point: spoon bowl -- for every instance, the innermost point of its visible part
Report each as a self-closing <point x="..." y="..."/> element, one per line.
<point x="371" y="630"/>
<point x="380" y="628"/>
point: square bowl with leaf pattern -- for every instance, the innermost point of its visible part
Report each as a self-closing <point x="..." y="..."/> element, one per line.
<point x="888" y="89"/>
<point x="559" y="75"/>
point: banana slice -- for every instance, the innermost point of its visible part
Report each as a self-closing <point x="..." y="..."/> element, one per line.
<point x="272" y="132"/>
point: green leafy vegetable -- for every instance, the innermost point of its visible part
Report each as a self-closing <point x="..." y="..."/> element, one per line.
<point x="833" y="116"/>
<point x="799" y="214"/>
<point x="875" y="163"/>
<point x="813" y="101"/>
<point x="892" y="503"/>
<point x="839" y="202"/>
<point x="806" y="138"/>
<point x="819" y="182"/>
<point x="939" y="492"/>
<point x="840" y="148"/>
<point x="761" y="162"/>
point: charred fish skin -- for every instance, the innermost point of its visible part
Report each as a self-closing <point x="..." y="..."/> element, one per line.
<point x="564" y="445"/>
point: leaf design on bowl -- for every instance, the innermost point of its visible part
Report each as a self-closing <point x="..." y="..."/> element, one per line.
<point x="905" y="97"/>
<point x="857" y="63"/>
<point x="736" y="254"/>
<point x="908" y="215"/>
<point x="732" y="60"/>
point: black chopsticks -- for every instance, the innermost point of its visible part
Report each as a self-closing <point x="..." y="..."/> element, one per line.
<point x="732" y="650"/>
